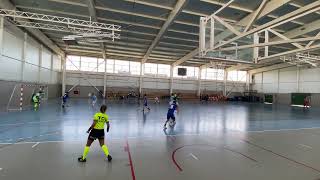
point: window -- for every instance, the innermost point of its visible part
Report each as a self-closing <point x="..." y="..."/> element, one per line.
<point x="88" y="64"/>
<point x="121" y="66"/>
<point x="212" y="74"/>
<point x="110" y="66"/>
<point x="164" y="70"/>
<point x="220" y="74"/>
<point x="242" y="76"/>
<point x="232" y="76"/>
<point x="237" y="76"/>
<point x="192" y="72"/>
<point x="150" y="68"/>
<point x="196" y="72"/>
<point x="100" y="65"/>
<point x="203" y="73"/>
<point x="135" y="68"/>
<point x="73" y="63"/>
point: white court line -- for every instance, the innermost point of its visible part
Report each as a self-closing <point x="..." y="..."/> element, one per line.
<point x="11" y="124"/>
<point x="277" y="130"/>
<point x="303" y="145"/>
<point x="192" y="155"/>
<point x="36" y="144"/>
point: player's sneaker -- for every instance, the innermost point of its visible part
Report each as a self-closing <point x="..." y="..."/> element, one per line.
<point x="80" y="159"/>
<point x="109" y="158"/>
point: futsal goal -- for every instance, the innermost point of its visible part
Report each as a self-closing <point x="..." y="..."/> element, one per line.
<point x="21" y="96"/>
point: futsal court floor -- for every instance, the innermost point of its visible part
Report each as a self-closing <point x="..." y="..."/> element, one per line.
<point x="215" y="141"/>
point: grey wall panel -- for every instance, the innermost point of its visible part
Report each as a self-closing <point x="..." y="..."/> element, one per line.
<point x="10" y="69"/>
<point x="32" y="54"/>
<point x="315" y="100"/>
<point x="46" y="59"/>
<point x="12" y="46"/>
<point x="5" y="91"/>
<point x="54" y="90"/>
<point x="83" y="91"/>
<point x="30" y="73"/>
<point x="45" y="76"/>
<point x="284" y="99"/>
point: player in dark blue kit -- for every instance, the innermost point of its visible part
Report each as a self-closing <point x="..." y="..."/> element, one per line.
<point x="145" y="103"/>
<point x="64" y="99"/>
<point x="173" y="107"/>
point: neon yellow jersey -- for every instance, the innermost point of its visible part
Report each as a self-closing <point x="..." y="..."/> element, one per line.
<point x="35" y="99"/>
<point x="100" y="119"/>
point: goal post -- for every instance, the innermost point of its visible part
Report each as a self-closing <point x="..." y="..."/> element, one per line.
<point x="21" y="95"/>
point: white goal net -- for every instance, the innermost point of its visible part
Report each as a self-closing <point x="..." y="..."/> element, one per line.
<point x="21" y="96"/>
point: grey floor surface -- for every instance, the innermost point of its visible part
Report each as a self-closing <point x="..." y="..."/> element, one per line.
<point x="221" y="141"/>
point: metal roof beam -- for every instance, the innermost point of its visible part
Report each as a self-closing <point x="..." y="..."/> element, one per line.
<point x="93" y="15"/>
<point x="270" y="68"/>
<point x="177" y="9"/>
<point x="276" y="56"/>
<point x="6" y="4"/>
<point x="269" y="7"/>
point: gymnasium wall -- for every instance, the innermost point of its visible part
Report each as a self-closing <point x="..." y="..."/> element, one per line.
<point x="283" y="82"/>
<point x="288" y="80"/>
<point x="151" y="85"/>
<point x="27" y="62"/>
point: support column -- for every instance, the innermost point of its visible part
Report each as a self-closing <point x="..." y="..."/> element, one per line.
<point x="248" y="81"/>
<point x="225" y="78"/>
<point x="63" y="59"/>
<point x="262" y="82"/>
<point x="212" y="22"/>
<point x="24" y="55"/>
<point x="141" y="78"/>
<point x="51" y="68"/>
<point x="298" y="79"/>
<point x="105" y="76"/>
<point x="171" y="79"/>
<point x="199" y="83"/>
<point x="266" y="40"/>
<point x="40" y="63"/>
<point x="278" y="81"/>
<point x="255" y="49"/>
<point x="1" y="35"/>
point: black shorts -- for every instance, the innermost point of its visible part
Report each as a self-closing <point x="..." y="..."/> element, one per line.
<point x="171" y="116"/>
<point x="96" y="134"/>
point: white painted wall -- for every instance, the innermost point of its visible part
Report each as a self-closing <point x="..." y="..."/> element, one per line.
<point x="11" y="62"/>
<point x="125" y="81"/>
<point x="288" y="80"/>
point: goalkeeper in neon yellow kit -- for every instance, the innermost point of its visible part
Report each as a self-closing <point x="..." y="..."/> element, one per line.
<point x="36" y="101"/>
<point x="96" y="131"/>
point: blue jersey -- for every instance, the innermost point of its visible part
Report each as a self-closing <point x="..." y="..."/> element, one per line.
<point x="172" y="108"/>
<point x="145" y="101"/>
<point x="93" y="98"/>
<point x="65" y="97"/>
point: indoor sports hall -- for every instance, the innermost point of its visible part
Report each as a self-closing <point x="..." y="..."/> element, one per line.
<point x="160" y="89"/>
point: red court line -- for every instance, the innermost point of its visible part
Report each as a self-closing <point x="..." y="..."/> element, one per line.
<point x="248" y="157"/>
<point x="174" y="159"/>
<point x="225" y="148"/>
<point x="282" y="156"/>
<point x="130" y="160"/>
